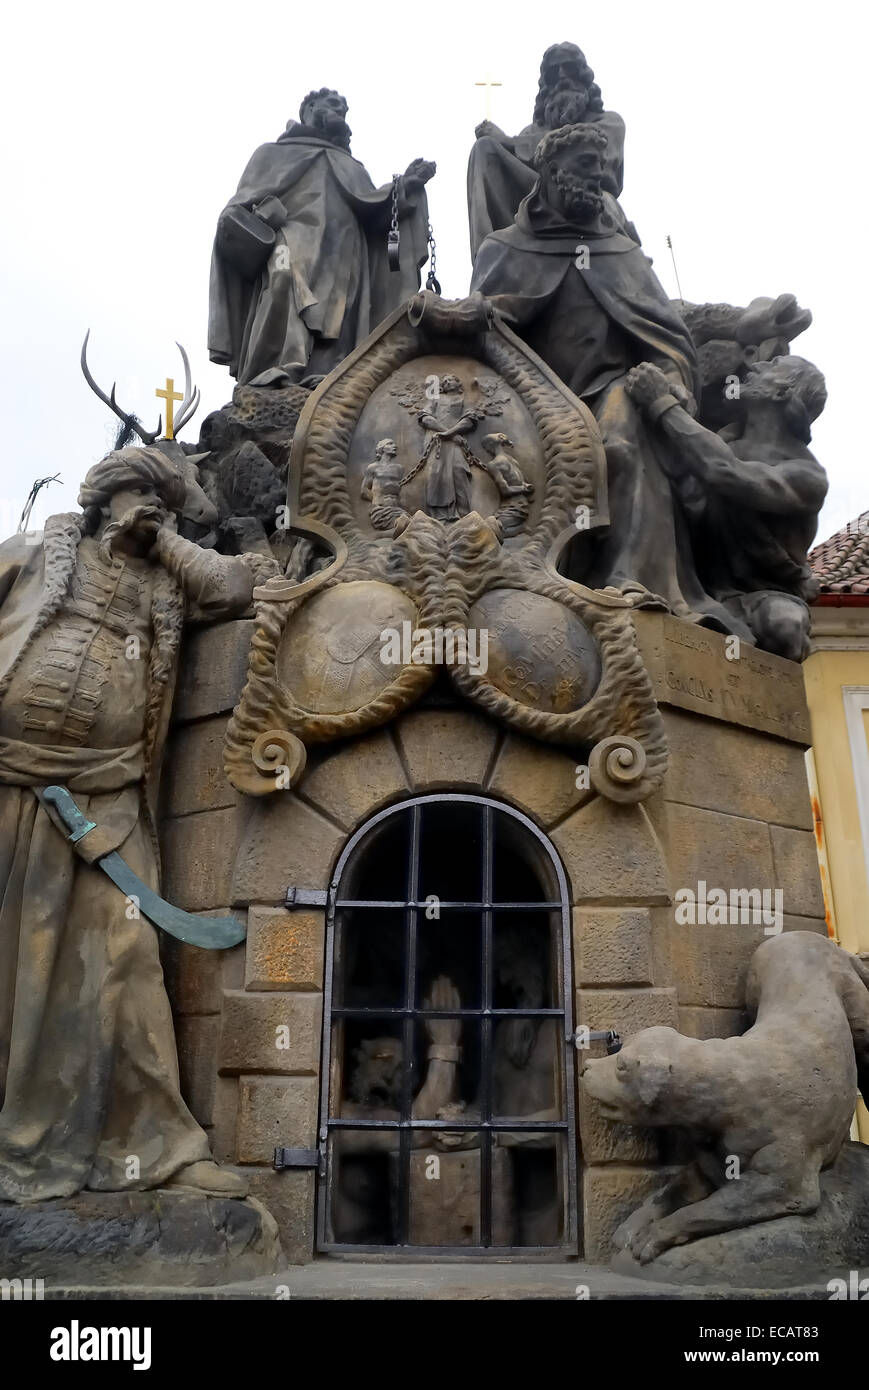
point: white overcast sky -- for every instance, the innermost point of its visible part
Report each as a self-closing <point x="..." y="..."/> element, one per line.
<point x="125" y="127"/>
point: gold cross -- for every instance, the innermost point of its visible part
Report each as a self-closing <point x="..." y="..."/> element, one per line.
<point x="488" y="84"/>
<point x="170" y="396"/>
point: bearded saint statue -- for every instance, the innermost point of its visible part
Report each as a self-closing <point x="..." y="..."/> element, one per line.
<point x="90" y="624"/>
<point x="501" y="167"/>
<point x="569" y="278"/>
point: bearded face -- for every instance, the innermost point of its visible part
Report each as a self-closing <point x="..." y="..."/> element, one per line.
<point x="135" y="514"/>
<point x="566" y="104"/>
<point x="327" y="115"/>
<point x="577" y="196"/>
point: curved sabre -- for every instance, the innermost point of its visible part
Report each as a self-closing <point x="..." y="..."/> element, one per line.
<point x="211" y="933"/>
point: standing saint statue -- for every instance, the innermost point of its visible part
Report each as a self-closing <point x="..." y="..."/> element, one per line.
<point x="501" y="167"/>
<point x="90" y="625"/>
<point x="300" y="273"/>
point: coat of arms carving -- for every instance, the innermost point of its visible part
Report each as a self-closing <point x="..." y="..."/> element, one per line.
<point x="444" y="469"/>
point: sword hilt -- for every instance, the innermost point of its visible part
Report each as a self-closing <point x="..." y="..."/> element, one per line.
<point x="75" y="821"/>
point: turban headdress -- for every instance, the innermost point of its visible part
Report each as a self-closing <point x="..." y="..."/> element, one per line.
<point x="133" y="467"/>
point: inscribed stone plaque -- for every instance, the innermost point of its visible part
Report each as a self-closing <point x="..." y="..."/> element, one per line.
<point x="689" y="668"/>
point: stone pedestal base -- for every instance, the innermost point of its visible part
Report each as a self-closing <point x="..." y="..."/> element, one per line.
<point x="733" y="814"/>
<point x="142" y="1238"/>
<point x="787" y="1252"/>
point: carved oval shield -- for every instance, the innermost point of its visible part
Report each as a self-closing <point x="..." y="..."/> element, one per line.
<point x="333" y="657"/>
<point x="540" y="653"/>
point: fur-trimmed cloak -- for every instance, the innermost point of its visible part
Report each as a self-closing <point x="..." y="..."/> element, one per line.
<point x="89" y="1091"/>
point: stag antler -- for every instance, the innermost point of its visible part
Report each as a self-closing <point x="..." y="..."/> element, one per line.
<point x="129" y="420"/>
<point x="188" y="406"/>
<point x="186" y="411"/>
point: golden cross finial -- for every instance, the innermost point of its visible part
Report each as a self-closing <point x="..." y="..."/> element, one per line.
<point x="488" y="84"/>
<point x="170" y="396"/>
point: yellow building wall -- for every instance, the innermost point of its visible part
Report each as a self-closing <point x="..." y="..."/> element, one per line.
<point x="837" y="817"/>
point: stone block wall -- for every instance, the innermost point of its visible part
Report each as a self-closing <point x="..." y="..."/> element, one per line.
<point x="733" y="811"/>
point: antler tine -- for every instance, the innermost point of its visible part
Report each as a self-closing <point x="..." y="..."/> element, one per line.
<point x="144" y="435"/>
<point x="187" y="408"/>
<point x="89" y="379"/>
<point x="191" y="411"/>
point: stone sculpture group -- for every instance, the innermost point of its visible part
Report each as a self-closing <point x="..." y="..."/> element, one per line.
<point x="540" y="457"/>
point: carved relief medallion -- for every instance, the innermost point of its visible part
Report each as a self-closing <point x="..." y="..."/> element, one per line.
<point x="540" y="653"/>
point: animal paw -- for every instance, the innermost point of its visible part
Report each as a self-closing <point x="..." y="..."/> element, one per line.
<point x="651" y="1242"/>
<point x="632" y="1229"/>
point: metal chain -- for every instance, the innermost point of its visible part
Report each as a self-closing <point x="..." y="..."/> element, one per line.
<point x="393" y="226"/>
<point x="431" y="281"/>
<point x="393" y="240"/>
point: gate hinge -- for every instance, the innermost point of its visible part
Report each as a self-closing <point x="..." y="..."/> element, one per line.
<point x="305" y="897"/>
<point x="583" y="1036"/>
<point x="297" y="1158"/>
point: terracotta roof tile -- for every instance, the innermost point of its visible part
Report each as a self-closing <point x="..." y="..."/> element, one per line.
<point x="841" y="563"/>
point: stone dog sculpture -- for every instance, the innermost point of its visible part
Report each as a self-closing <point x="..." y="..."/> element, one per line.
<point x="780" y="1098"/>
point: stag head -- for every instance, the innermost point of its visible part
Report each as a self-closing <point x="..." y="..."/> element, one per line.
<point x="197" y="507"/>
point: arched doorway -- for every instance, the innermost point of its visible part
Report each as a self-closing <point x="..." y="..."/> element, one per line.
<point x="447" y="1100"/>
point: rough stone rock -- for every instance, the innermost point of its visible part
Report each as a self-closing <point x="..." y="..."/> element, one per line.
<point x="285" y="842"/>
<point x="144" y="1238"/>
<point x="198" y="855"/>
<point x="712" y="1023"/>
<point x="796" y="870"/>
<point x="791" y="1250"/>
<point x="195" y="779"/>
<point x="196" y="1039"/>
<point x="728" y="852"/>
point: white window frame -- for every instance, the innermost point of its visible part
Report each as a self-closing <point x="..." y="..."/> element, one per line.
<point x="855" y="699"/>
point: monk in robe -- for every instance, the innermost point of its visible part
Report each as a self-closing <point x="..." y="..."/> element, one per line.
<point x="90" y="624"/>
<point x="323" y="281"/>
<point x="578" y="288"/>
<point x="501" y="167"/>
